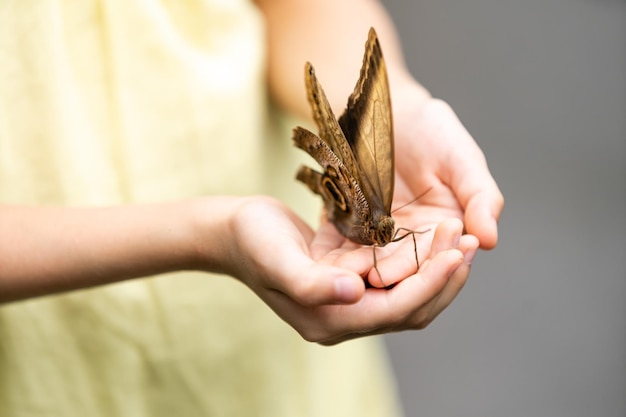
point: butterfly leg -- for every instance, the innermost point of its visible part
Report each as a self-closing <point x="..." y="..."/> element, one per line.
<point x="380" y="277"/>
<point x="417" y="262"/>
<point x="412" y="233"/>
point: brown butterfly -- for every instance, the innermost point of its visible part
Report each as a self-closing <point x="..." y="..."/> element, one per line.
<point x="356" y="153"/>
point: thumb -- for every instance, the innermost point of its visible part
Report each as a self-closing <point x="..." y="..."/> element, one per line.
<point x="311" y="284"/>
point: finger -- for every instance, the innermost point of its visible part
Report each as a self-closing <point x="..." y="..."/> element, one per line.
<point x="457" y="280"/>
<point x="447" y="236"/>
<point x="482" y="213"/>
<point x="381" y="310"/>
<point x="399" y="260"/>
<point x="311" y="284"/>
<point x="359" y="260"/>
<point x="401" y="263"/>
<point x="468" y="245"/>
<point x="478" y="194"/>
<point x="466" y="172"/>
<point x="455" y="284"/>
<point x="418" y="291"/>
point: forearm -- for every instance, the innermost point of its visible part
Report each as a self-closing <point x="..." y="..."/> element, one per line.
<point x="45" y="250"/>
<point x="331" y="35"/>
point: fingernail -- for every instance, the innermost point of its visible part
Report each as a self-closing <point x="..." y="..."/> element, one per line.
<point x="346" y="290"/>
<point x="469" y="256"/>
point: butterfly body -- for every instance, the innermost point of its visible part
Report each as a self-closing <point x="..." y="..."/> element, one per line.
<point x="355" y="152"/>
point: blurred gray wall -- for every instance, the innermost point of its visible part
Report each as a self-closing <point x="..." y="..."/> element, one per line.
<point x="540" y="328"/>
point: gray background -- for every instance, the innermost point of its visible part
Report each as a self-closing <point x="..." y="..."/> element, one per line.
<point x="540" y="328"/>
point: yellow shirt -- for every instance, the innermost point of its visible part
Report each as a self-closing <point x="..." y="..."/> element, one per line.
<point x="115" y="102"/>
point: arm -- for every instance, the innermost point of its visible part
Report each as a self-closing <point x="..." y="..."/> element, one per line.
<point x="51" y="249"/>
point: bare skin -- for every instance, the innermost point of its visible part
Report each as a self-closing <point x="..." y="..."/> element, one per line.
<point x="313" y="279"/>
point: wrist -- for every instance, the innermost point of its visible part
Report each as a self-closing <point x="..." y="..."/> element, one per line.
<point x="212" y="225"/>
<point x="406" y="93"/>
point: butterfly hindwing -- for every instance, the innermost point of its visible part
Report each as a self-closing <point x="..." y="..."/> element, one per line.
<point x="341" y="192"/>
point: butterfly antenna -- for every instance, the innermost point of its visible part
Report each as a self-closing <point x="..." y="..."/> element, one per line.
<point x="412" y="201"/>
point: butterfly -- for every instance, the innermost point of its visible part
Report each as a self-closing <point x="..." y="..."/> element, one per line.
<point x="356" y="153"/>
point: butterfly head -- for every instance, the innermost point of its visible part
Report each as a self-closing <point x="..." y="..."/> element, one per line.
<point x="384" y="231"/>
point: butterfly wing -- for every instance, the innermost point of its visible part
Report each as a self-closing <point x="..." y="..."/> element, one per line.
<point x="328" y="126"/>
<point x="368" y="127"/>
<point x="358" y="203"/>
<point x="344" y="200"/>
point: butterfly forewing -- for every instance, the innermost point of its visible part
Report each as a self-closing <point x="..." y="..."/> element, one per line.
<point x="368" y="127"/>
